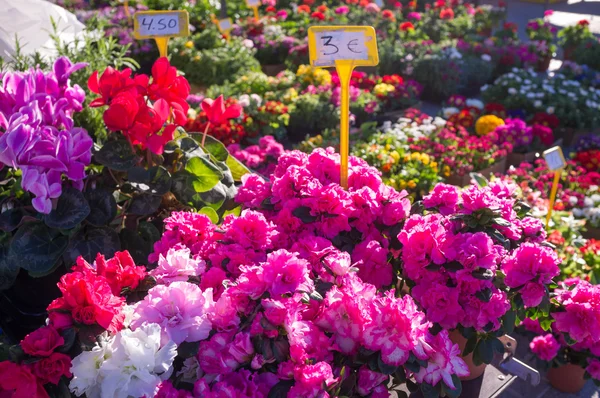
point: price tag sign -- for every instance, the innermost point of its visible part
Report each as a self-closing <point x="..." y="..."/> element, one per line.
<point x="153" y="24"/>
<point x="329" y="45"/>
<point x="555" y="159"/>
<point x="225" y="25"/>
<point x="343" y="47"/>
<point x="253" y="3"/>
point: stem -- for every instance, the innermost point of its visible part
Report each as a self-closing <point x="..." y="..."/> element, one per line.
<point x="205" y="132"/>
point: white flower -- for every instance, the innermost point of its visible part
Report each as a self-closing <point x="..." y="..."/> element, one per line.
<point x="572" y="200"/>
<point x="537" y="104"/>
<point x="244" y="100"/>
<point x="256" y="98"/>
<point x="512" y="91"/>
<point x="447" y="112"/>
<point x="484" y="87"/>
<point x="588" y="202"/>
<point x="475" y="103"/>
<point x="486" y="57"/>
<point x="248" y="43"/>
<point x="530" y="95"/>
<point x="132" y="364"/>
<point x="550" y="110"/>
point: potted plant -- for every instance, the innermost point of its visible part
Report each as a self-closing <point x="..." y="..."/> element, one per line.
<point x="527" y="141"/>
<point x="541" y="33"/>
<point x="570" y="37"/>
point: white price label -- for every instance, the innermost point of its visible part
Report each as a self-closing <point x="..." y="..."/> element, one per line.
<point x="555" y="159"/>
<point x="379" y="3"/>
<point x="225" y="25"/>
<point x="253" y="3"/>
<point x="340" y="45"/>
<point x="158" y="25"/>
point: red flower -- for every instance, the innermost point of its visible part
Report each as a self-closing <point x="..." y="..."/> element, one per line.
<point x="148" y="131"/>
<point x="364" y="3"/>
<point x="545" y="119"/>
<point x="88" y="300"/>
<point x="494" y="108"/>
<point x="447" y="13"/>
<point x="42" y="342"/>
<point x="397" y="4"/>
<point x="389" y="15"/>
<point x="270" y="9"/>
<point x="111" y="83"/>
<point x="217" y="113"/>
<point x="440" y="3"/>
<point x="17" y="381"/>
<point x="501" y="4"/>
<point x="303" y="9"/>
<point x="122" y="111"/>
<point x="322" y="8"/>
<point x="309" y="2"/>
<point x="510" y="26"/>
<point x="52" y="368"/>
<point x="351" y="1"/>
<point x="407" y="26"/>
<point x="583" y="22"/>
<point x="318" y="16"/>
<point x="170" y="87"/>
<point x="412" y="4"/>
<point x="120" y="271"/>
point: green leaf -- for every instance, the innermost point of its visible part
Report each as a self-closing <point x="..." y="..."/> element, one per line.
<point x="238" y="170"/>
<point x="117" y="155"/>
<point x="88" y="242"/>
<point x="8" y="269"/>
<point x="144" y="205"/>
<point x="235" y="211"/>
<point x="12" y="218"/>
<point x="303" y="213"/>
<point x="103" y="206"/>
<point x="457" y="388"/>
<point x="485" y="351"/>
<point x="497" y="345"/>
<point x="429" y="391"/>
<point x="37" y="248"/>
<point x="215" y="197"/>
<point x="155" y="181"/>
<point x="211" y="213"/>
<point x="140" y="243"/>
<point x="206" y="174"/>
<point x="384" y="368"/>
<point x="508" y="321"/>
<point x="216" y="148"/>
<point x="470" y="345"/>
<point x="69" y="335"/>
<point x="71" y="209"/>
<point x="281" y="389"/>
<point x="483" y="274"/>
<point x="187" y="350"/>
<point x="480" y="180"/>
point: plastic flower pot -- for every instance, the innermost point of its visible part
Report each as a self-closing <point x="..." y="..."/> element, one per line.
<point x="568" y="53"/>
<point x="461" y="181"/>
<point x="591" y="233"/>
<point x="543" y="64"/>
<point x="273" y="70"/>
<point x="567" y="378"/>
<point x="475" y="371"/>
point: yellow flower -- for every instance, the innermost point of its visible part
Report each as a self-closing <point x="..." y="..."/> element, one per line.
<point x="317" y="76"/>
<point x="189" y="44"/>
<point x="446" y="171"/>
<point x="383" y="89"/>
<point x="486" y="124"/>
<point x="387" y="147"/>
<point x="434" y="165"/>
<point x="411" y="184"/>
<point x="290" y="95"/>
<point x="425" y="159"/>
<point x="402" y="184"/>
<point x="415" y="156"/>
<point x="197" y="58"/>
<point x="395" y="155"/>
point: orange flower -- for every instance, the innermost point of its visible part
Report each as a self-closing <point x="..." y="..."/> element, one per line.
<point x="303" y="9"/>
<point x="412" y="4"/>
<point x="322" y="8"/>
<point x="407" y="26"/>
<point x="389" y="15"/>
<point x="364" y="3"/>
<point x="447" y="13"/>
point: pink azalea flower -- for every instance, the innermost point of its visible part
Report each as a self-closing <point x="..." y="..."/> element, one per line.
<point x="444" y="362"/>
<point x="177" y="266"/>
<point x="546" y="347"/>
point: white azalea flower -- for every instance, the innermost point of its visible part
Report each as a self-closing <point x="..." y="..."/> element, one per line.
<point x="512" y="91"/>
<point x="475" y="103"/>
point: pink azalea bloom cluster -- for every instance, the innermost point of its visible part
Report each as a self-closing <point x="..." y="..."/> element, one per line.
<point x="452" y="255"/>
<point x="579" y="316"/>
<point x="261" y="158"/>
<point x="522" y="137"/>
<point x="37" y="134"/>
<point x="546" y="347"/>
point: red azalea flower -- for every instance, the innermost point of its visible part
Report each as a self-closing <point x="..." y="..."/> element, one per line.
<point x="308" y="2"/>
<point x="510" y="26"/>
<point x="447" y="13"/>
<point x="389" y="15"/>
<point x="52" y="368"/>
<point x="120" y="271"/>
<point x="18" y="381"/>
<point x="303" y="9"/>
<point x="318" y="16"/>
<point x="322" y="8"/>
<point x="397" y="4"/>
<point x="440" y="3"/>
<point x="407" y="26"/>
<point x="583" y="22"/>
<point x="42" y="342"/>
<point x="412" y="4"/>
<point x="270" y="9"/>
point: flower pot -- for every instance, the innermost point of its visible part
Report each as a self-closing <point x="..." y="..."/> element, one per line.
<point x="485" y="32"/>
<point x="567" y="378"/>
<point x="475" y="371"/>
<point x="273" y="70"/>
<point x="461" y="181"/>
<point x="515" y="159"/>
<point x="543" y="64"/>
<point x="591" y="233"/>
<point x="568" y="53"/>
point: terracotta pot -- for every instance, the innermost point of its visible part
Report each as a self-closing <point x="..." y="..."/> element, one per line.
<point x="567" y="378"/>
<point x="568" y="53"/>
<point x="273" y="70"/>
<point x="474" y="370"/>
<point x="462" y="181"/>
<point x="591" y="233"/>
<point x="515" y="159"/>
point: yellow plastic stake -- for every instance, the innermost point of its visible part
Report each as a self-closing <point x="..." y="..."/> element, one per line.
<point x="256" y="16"/>
<point x="556" y="162"/>
<point x="225" y="25"/>
<point x="254" y="4"/>
<point x="343" y="47"/>
<point x="161" y="26"/>
<point x="127" y="13"/>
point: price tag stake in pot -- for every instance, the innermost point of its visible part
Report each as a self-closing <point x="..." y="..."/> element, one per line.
<point x="161" y="26"/>
<point x="556" y="162"/>
<point x="343" y="47"/>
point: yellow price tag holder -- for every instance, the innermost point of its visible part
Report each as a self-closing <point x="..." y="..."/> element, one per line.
<point x="343" y="47"/>
<point x="224" y="25"/>
<point x="254" y="4"/>
<point x="556" y="162"/>
<point x="161" y="26"/>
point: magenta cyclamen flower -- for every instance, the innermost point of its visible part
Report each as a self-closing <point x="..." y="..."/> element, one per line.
<point x="181" y="309"/>
<point x="546" y="347"/>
